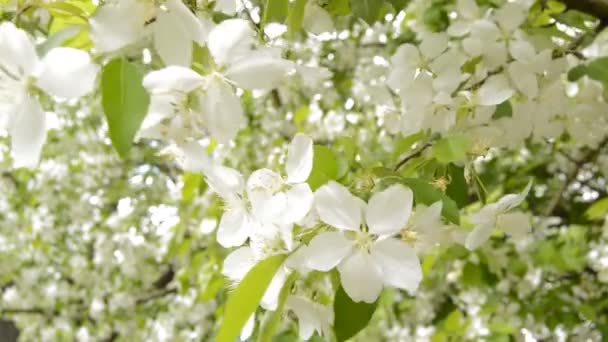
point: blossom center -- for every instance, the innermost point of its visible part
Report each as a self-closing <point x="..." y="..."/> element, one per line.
<point x="408" y="235"/>
<point x="363" y="241"/>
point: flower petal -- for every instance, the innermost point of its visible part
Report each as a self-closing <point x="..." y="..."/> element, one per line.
<point x="515" y="224"/>
<point x="247" y="330"/>
<point x="230" y="40"/>
<point x="246" y="71"/>
<point x="117" y="24"/>
<point x="267" y="202"/>
<point x="226" y="182"/>
<point x="222" y="110"/>
<point x="18" y="52"/>
<point x="238" y="263"/>
<point x="191" y="27"/>
<point x="174" y="48"/>
<point x="233" y="229"/>
<point x="299" y="159"/>
<point x="360" y="277"/>
<point x="173" y="78"/>
<point x="270" y="300"/>
<point x="67" y="73"/>
<point x="337" y="207"/>
<point x="388" y="211"/>
<point x="399" y="264"/>
<point x="28" y="133"/>
<point x="299" y="202"/>
<point x="495" y="90"/>
<point x="326" y="250"/>
<point x="479" y="235"/>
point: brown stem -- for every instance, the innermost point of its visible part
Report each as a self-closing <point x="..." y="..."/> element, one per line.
<point x="571" y="176"/>
<point x="596" y="8"/>
<point x="412" y="156"/>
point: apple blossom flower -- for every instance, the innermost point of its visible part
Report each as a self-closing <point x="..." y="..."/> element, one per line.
<point x="63" y="72"/>
<point x="497" y="215"/>
<point x="362" y="249"/>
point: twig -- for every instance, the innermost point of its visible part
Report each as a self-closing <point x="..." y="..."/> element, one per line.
<point x="156" y="295"/>
<point x="412" y="156"/>
<point x="571" y="176"/>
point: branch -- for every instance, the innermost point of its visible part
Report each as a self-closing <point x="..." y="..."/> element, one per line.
<point x="156" y="295"/>
<point x="572" y="175"/>
<point x="412" y="156"/>
<point x="596" y="8"/>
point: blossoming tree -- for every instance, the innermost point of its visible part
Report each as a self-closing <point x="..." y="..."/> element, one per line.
<point x="281" y="170"/>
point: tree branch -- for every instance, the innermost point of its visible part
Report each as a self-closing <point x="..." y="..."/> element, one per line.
<point x="596" y="8"/>
<point x="571" y="176"/>
<point x="412" y="156"/>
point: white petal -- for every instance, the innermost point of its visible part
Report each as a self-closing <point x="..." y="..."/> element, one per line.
<point x="337" y="207"/>
<point x="316" y="20"/>
<point x="523" y="51"/>
<point x="480" y="234"/>
<point x="326" y="250"/>
<point x="299" y="159"/>
<point x="230" y="40"/>
<point x="28" y="133"/>
<point x="247" y="71"/>
<point x="270" y="300"/>
<point x="299" y="202"/>
<point x="223" y="111"/>
<point x="510" y="201"/>
<point x="191" y="27"/>
<point x="226" y="6"/>
<point x="399" y="264"/>
<point x="433" y="44"/>
<point x="193" y="157"/>
<point x="238" y="263"/>
<point x="173" y="46"/>
<point x="524" y="79"/>
<point x="427" y="217"/>
<point x="18" y="54"/>
<point x="495" y="90"/>
<point x="227" y="182"/>
<point x="173" y="78"/>
<point x="511" y="15"/>
<point x="388" y="211"/>
<point x="267" y="202"/>
<point x="248" y="328"/>
<point x="233" y="229"/>
<point x="67" y="73"/>
<point x="360" y="277"/>
<point x="117" y="24"/>
<point x="515" y="224"/>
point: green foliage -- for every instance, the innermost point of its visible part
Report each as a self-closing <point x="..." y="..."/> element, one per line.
<point x="425" y="193"/>
<point x="452" y="149"/>
<point x="350" y="317"/>
<point x="324" y="167"/>
<point x="125" y="102"/>
<point x="295" y="17"/>
<point x="503" y="110"/>
<point x="367" y="10"/>
<point x="597" y="210"/>
<point x="243" y="302"/>
<point x="275" y="11"/>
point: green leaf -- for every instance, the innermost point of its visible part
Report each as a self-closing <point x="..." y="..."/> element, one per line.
<point x="125" y="102"/>
<point x="275" y="11"/>
<point x="324" y="167"/>
<point x="598" y="69"/>
<point x="503" y="110"/>
<point x="350" y="317"/>
<point x="425" y="193"/>
<point x="368" y="10"/>
<point x="295" y="18"/>
<point x="458" y="189"/>
<point x="597" y="210"/>
<point x="192" y="182"/>
<point x="451" y="149"/>
<point x="337" y="7"/>
<point x="577" y="72"/>
<point x="246" y="297"/>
